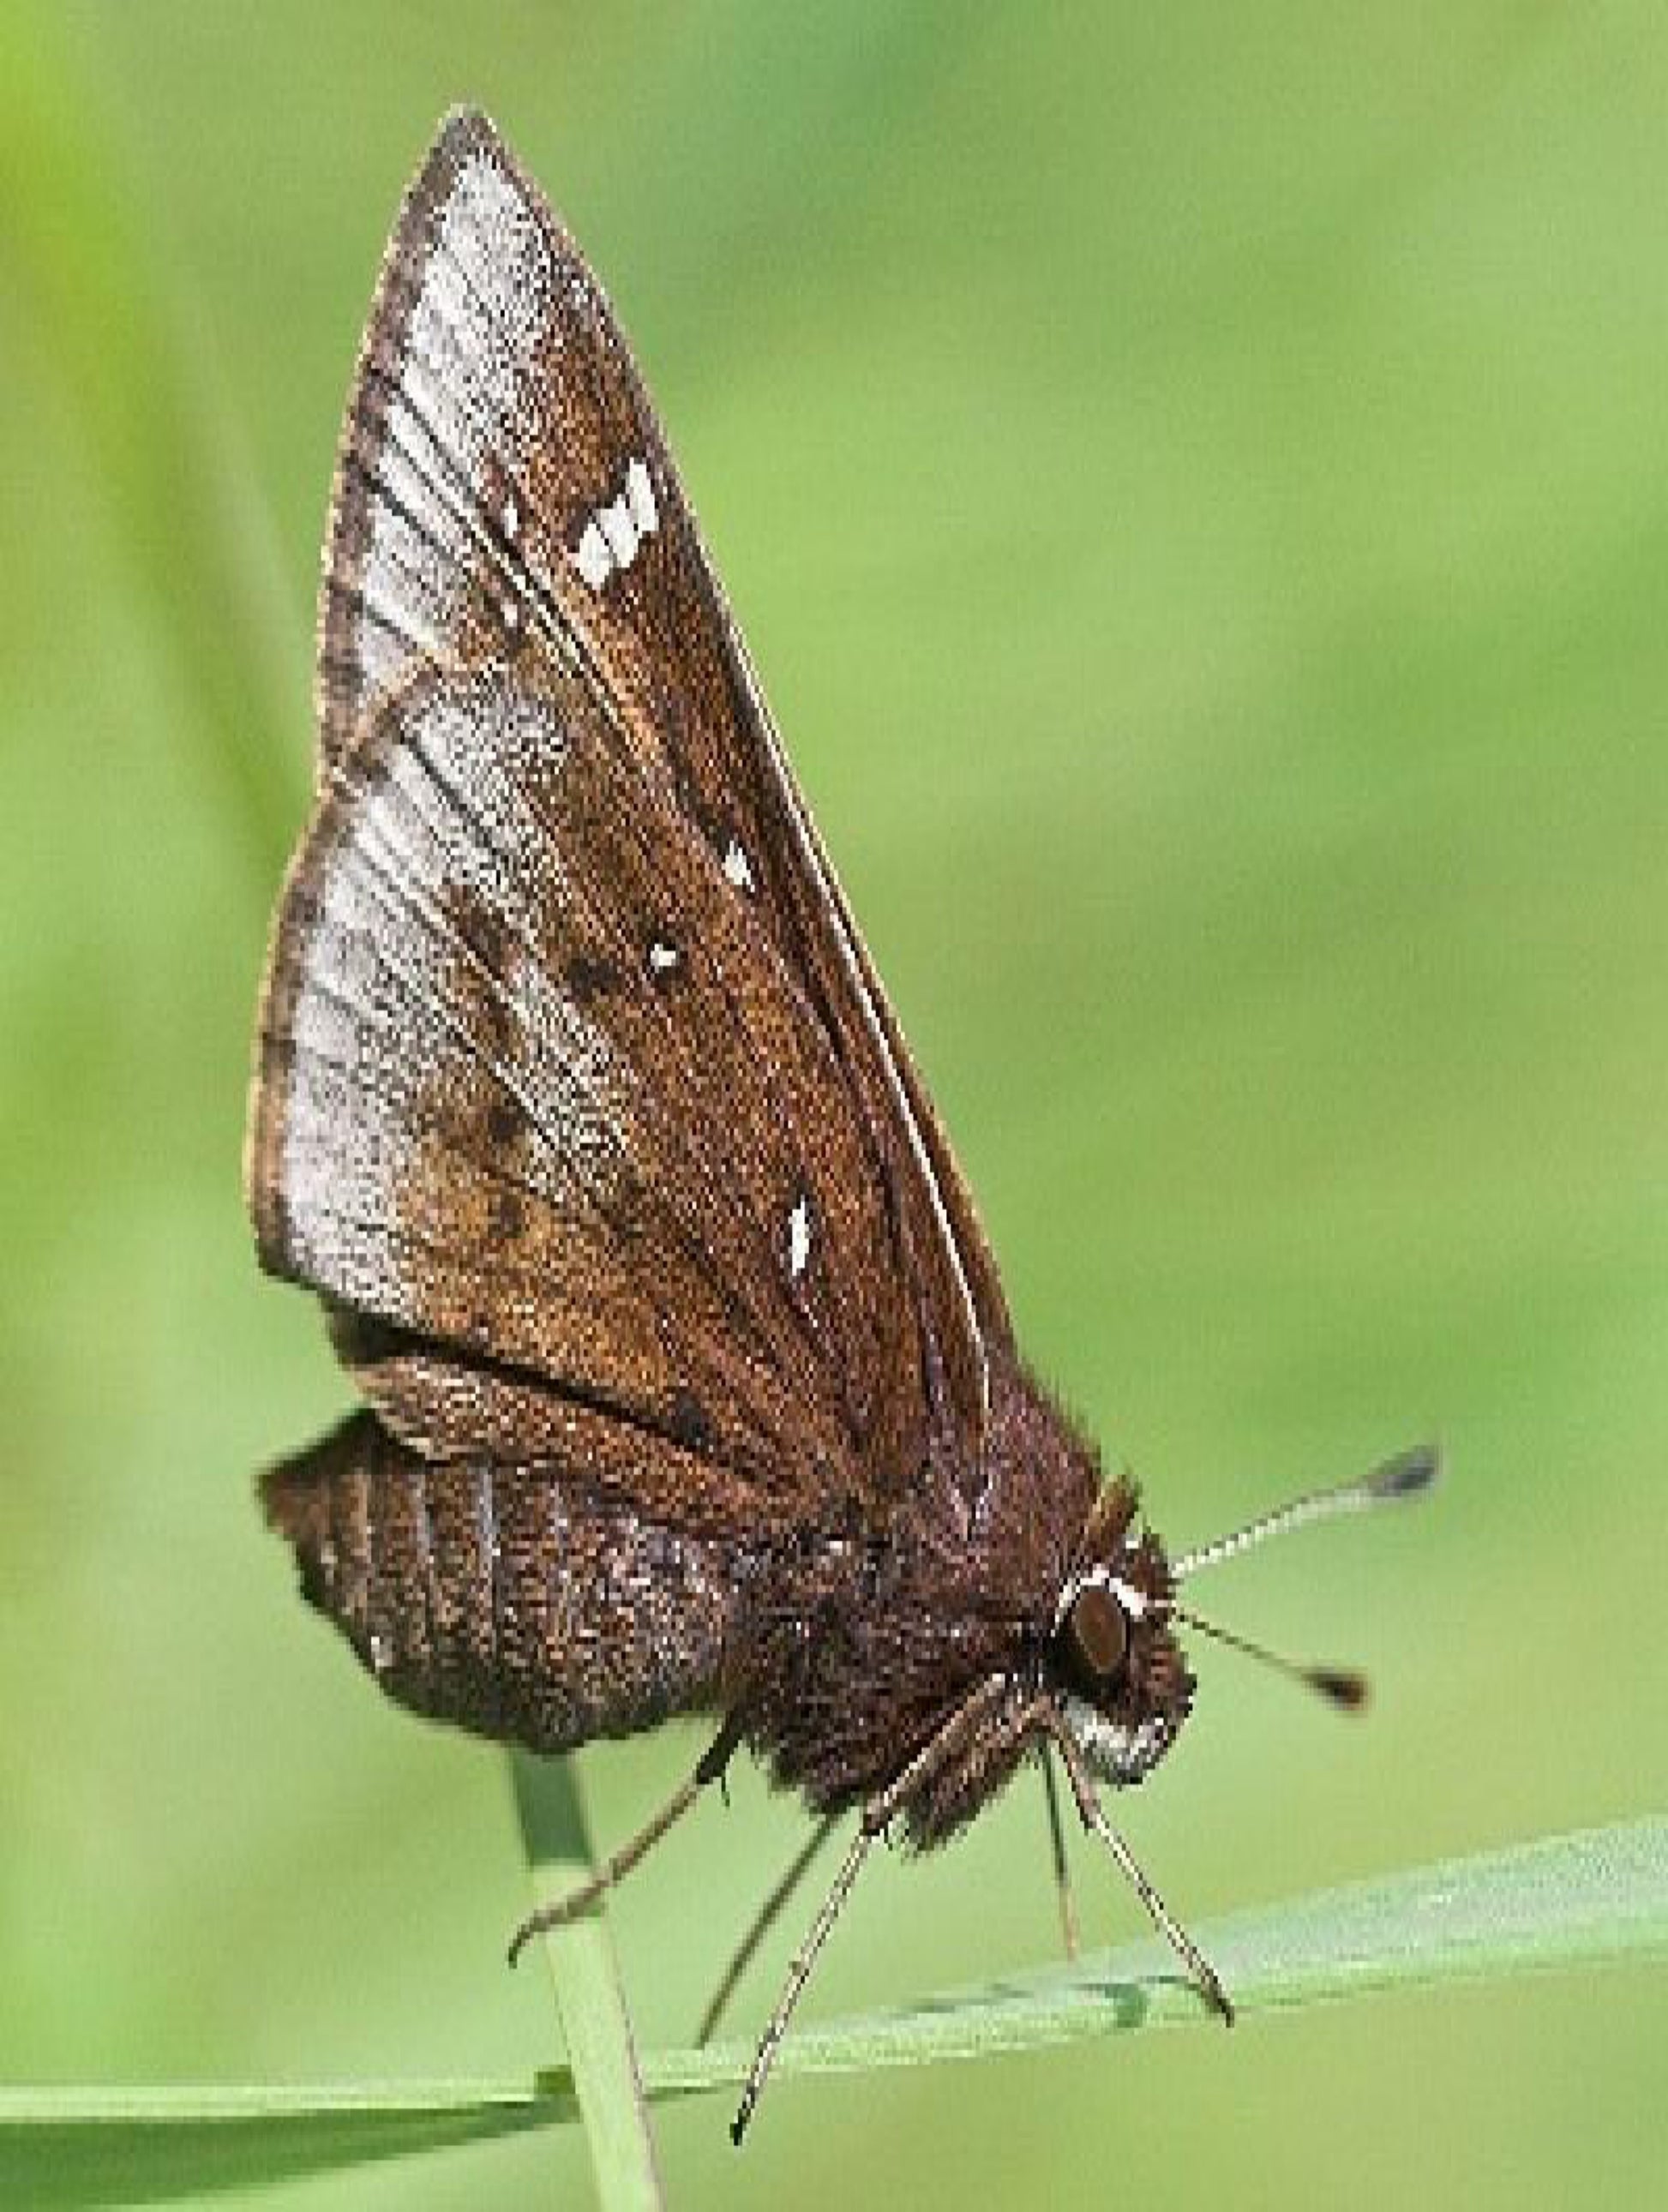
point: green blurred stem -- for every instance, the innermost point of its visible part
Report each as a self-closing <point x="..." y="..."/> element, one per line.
<point x="78" y="250"/>
<point x="595" y="2027"/>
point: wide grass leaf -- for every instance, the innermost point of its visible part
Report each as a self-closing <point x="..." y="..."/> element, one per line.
<point x="1575" y="1899"/>
<point x="1572" y="1901"/>
<point x="150" y="2146"/>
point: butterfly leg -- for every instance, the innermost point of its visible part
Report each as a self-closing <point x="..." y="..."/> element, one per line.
<point x="1204" y="1975"/>
<point x="709" y="1768"/>
<point x="963" y="1725"/>
<point x="764" y="1920"/>
<point x="798" y="1973"/>
<point x="1057" y="1845"/>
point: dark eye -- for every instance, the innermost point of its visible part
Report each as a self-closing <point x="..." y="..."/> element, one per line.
<point x="1097" y="1635"/>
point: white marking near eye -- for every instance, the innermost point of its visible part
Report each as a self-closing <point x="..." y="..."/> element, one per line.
<point x="1114" y="1750"/>
<point x="594" y="560"/>
<point x="512" y="517"/>
<point x="737" y="866"/>
<point x="662" y="957"/>
<point x="798" y="1237"/>
<point x="613" y="536"/>
<point x="1133" y="1602"/>
<point x="510" y="612"/>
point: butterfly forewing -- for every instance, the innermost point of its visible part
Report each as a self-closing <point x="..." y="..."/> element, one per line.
<point x="576" y="1083"/>
<point x="536" y="1092"/>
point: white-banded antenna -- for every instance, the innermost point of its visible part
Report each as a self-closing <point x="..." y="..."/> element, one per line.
<point x="1405" y="1476"/>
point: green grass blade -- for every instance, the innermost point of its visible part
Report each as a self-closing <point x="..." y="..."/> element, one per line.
<point x="1584" y="1900"/>
<point x="595" y="2028"/>
<point x="85" y="2147"/>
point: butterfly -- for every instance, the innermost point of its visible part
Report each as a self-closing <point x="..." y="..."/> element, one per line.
<point x="687" y="1383"/>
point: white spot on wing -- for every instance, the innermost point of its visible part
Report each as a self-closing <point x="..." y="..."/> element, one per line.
<point x="594" y="560"/>
<point x="737" y="866"/>
<point x="613" y="536"/>
<point x="512" y="517"/>
<point x="816" y="863"/>
<point x="798" y="1237"/>
<point x="619" y="530"/>
<point x="662" y="957"/>
<point x="640" y="497"/>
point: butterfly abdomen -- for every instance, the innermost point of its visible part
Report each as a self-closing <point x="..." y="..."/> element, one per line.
<point x="511" y="1600"/>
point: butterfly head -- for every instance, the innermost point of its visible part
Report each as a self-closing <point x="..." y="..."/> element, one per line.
<point x="1117" y="1670"/>
<point x="1123" y="1686"/>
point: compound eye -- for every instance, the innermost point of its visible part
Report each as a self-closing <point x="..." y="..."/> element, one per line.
<point x="1097" y="1633"/>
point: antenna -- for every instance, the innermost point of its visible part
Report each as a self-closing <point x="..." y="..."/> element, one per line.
<point x="1345" y="1688"/>
<point x="1405" y="1476"/>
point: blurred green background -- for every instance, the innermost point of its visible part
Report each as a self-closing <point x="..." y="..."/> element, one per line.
<point x="1196" y="485"/>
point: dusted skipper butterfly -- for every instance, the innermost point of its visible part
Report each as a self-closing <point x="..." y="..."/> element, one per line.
<point x="689" y="1382"/>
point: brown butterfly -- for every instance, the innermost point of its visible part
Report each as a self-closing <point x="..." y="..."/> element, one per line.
<point x="690" y="1384"/>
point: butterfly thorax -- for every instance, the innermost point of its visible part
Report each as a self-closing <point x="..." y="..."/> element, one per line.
<point x="859" y="1647"/>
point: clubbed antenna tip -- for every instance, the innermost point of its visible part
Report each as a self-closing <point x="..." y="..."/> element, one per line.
<point x="1346" y="1688"/>
<point x="1340" y="1685"/>
<point x="1406" y="1475"/>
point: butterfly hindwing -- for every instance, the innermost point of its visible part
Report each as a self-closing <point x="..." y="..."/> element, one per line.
<point x="529" y="1602"/>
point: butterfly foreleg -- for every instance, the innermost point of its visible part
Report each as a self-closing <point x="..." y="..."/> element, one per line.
<point x="1202" y="1974"/>
<point x="1063" y="1889"/>
<point x="760" y="1926"/>
<point x="952" y="1741"/>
